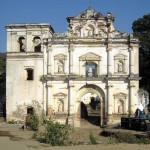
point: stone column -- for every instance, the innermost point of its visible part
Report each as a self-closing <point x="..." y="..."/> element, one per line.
<point x="71" y="98"/>
<point x="44" y="49"/>
<point x="109" y="104"/>
<point x="71" y="59"/>
<point x="99" y="68"/>
<point x="109" y="99"/>
<point x="131" y="99"/>
<point x="55" y="66"/>
<point x="70" y="102"/>
<point x="65" y="70"/>
<point x="49" y="100"/>
<point x="131" y="62"/>
<point x="109" y="61"/>
<point x="49" y="58"/>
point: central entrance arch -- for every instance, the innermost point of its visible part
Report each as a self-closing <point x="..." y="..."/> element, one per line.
<point x="90" y="104"/>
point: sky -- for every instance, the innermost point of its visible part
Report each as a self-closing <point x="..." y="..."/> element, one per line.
<point x="55" y="12"/>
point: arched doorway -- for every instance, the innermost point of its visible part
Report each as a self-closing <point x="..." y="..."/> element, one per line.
<point x="90" y="102"/>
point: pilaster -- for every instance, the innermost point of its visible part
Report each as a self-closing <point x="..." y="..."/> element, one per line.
<point x="70" y="98"/>
<point x="44" y="48"/>
<point x="71" y="49"/>
<point x="49" y="104"/>
<point x="109" y="99"/>
<point x="109" y="58"/>
<point x="131" y="61"/>
<point x="131" y="99"/>
<point x="49" y="58"/>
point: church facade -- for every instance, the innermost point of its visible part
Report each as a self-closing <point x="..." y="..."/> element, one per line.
<point x="90" y="70"/>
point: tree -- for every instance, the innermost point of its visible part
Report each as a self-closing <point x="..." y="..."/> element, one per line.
<point x="3" y="84"/>
<point x="141" y="29"/>
<point x="2" y="62"/>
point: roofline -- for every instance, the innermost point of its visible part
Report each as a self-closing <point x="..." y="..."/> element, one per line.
<point x="28" y="25"/>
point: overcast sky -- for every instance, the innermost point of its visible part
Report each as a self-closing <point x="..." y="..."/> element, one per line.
<point x="55" y="12"/>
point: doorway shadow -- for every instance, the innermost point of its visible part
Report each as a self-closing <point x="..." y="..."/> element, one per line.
<point x="90" y="115"/>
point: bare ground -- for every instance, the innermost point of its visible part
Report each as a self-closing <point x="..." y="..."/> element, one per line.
<point x="12" y="137"/>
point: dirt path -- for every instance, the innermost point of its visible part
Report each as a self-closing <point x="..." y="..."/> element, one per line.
<point x="13" y="138"/>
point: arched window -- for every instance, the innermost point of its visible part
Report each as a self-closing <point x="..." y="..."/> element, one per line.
<point x="22" y="44"/>
<point x="120" y="63"/>
<point x="77" y="31"/>
<point x="120" y="103"/>
<point x="37" y="44"/>
<point x="90" y="29"/>
<point x="91" y="69"/>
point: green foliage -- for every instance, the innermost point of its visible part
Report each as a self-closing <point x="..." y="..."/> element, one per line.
<point x="2" y="62"/>
<point x="141" y="29"/>
<point x="11" y="122"/>
<point x="33" y="123"/>
<point x="125" y="137"/>
<point x="113" y="140"/>
<point x="55" y="134"/>
<point x="92" y="139"/>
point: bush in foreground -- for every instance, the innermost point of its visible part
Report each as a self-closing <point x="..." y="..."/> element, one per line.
<point x="33" y="123"/>
<point x="55" y="134"/>
<point x="125" y="137"/>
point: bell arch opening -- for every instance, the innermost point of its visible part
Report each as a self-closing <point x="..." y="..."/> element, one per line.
<point x="90" y="104"/>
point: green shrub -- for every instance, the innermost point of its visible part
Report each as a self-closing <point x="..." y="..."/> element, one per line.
<point x="11" y="122"/>
<point x="92" y="139"/>
<point x="33" y="123"/>
<point x="113" y="140"/>
<point x="128" y="138"/>
<point x="125" y="137"/>
<point x="55" y="134"/>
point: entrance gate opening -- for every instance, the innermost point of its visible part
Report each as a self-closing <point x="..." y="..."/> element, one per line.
<point x="91" y="104"/>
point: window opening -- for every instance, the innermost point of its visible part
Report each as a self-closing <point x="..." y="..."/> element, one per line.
<point x="30" y="110"/>
<point x="37" y="44"/>
<point x="91" y="69"/>
<point x="22" y="44"/>
<point x="29" y="74"/>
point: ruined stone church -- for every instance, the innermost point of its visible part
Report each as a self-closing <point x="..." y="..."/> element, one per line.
<point x="90" y="70"/>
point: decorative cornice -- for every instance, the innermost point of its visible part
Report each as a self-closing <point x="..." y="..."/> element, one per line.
<point x="24" y="55"/>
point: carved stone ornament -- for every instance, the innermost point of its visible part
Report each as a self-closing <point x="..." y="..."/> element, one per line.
<point x="60" y="57"/>
<point x="90" y="56"/>
<point x="120" y="57"/>
<point x="60" y="94"/>
<point x="89" y="13"/>
<point x="117" y="34"/>
<point x="120" y="96"/>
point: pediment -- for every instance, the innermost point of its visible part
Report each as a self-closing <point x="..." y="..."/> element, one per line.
<point x="60" y="94"/>
<point x="120" y="56"/>
<point x="60" y="57"/>
<point x="120" y="96"/>
<point x="90" y="56"/>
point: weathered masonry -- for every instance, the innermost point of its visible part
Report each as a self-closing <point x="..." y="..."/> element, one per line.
<point x="90" y="70"/>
